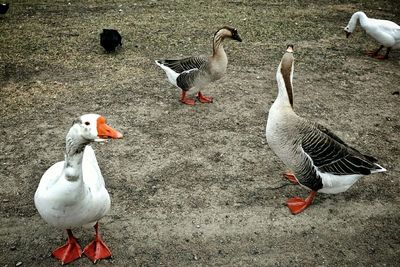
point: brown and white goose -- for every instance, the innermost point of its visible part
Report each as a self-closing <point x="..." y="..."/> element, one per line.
<point x="199" y="71"/>
<point x="319" y="160"/>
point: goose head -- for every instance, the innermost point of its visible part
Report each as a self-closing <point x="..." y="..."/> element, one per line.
<point x="228" y="32"/>
<point x="287" y="64"/>
<point x="93" y="127"/>
<point x="347" y="31"/>
<point x="351" y="26"/>
<point x="289" y="48"/>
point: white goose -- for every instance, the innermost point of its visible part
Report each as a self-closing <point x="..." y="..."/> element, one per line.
<point x="72" y="193"/>
<point x="385" y="32"/>
<point x="320" y="160"/>
<point x="200" y="70"/>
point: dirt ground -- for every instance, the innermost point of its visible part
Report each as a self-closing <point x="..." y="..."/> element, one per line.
<point x="198" y="186"/>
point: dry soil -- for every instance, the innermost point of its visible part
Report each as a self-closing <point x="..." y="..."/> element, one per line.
<point x="198" y="186"/>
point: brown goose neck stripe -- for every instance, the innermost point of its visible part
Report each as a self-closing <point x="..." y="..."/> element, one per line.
<point x="286" y="70"/>
<point x="218" y="38"/>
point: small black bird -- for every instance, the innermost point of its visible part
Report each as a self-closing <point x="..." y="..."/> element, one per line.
<point x="110" y="39"/>
<point x="4" y="7"/>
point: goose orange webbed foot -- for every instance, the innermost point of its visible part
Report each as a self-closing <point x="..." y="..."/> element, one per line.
<point x="186" y="100"/>
<point x="97" y="249"/>
<point x="296" y="204"/>
<point x="70" y="251"/>
<point x="204" y="99"/>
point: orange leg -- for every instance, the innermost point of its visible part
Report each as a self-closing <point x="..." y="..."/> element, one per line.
<point x="70" y="251"/>
<point x="204" y="99"/>
<point x="97" y="249"/>
<point x="297" y="205"/>
<point x="290" y="176"/>
<point x="186" y="100"/>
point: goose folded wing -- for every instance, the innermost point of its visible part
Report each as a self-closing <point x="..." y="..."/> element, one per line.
<point x="326" y="131"/>
<point x="185" y="64"/>
<point x="186" y="79"/>
<point x="330" y="154"/>
<point x="387" y="25"/>
<point x="396" y="34"/>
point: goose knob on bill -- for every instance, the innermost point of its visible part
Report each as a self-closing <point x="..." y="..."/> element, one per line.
<point x="72" y="193"/>
<point x="319" y="160"/>
<point x="385" y="32"/>
<point x="198" y="71"/>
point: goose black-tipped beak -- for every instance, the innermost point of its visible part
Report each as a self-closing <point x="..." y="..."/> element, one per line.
<point x="237" y="37"/>
<point x="347" y="34"/>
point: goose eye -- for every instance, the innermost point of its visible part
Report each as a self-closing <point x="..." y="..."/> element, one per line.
<point x="87" y="123"/>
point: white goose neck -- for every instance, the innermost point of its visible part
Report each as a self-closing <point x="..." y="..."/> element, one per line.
<point x="75" y="145"/>
<point x="282" y="98"/>
<point x="358" y="16"/>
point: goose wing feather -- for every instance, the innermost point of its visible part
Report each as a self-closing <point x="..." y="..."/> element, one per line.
<point x="329" y="154"/>
<point x="337" y="139"/>
<point x="386" y="25"/>
<point x="185" y="64"/>
<point x="186" y="79"/>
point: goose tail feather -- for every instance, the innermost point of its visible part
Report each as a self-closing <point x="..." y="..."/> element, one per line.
<point x="171" y="74"/>
<point x="379" y="168"/>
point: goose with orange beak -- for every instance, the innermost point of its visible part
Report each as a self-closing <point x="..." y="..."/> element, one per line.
<point x="72" y="193"/>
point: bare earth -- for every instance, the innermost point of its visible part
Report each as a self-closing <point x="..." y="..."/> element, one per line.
<point x="198" y="186"/>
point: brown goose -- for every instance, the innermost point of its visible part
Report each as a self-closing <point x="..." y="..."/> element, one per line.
<point x="199" y="71"/>
<point x="320" y="160"/>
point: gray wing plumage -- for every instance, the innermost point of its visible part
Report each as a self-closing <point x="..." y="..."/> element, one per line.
<point x="186" y="79"/>
<point x="185" y="64"/>
<point x="331" y="155"/>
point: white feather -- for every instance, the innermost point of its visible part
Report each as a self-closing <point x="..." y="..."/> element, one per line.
<point x="334" y="184"/>
<point x="67" y="204"/>
<point x="171" y="74"/>
<point x="385" y="32"/>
